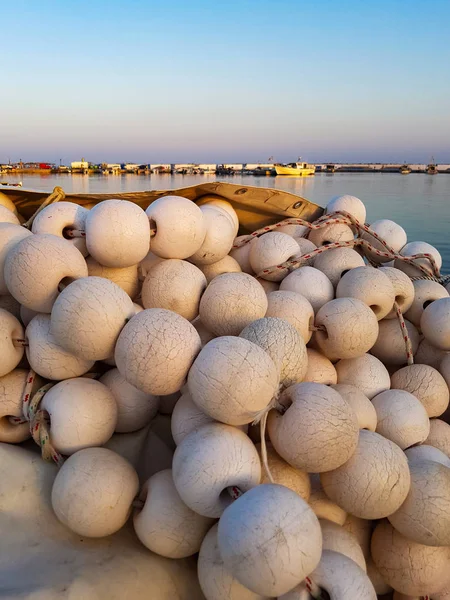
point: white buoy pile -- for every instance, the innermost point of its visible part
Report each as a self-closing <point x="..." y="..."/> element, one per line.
<point x="304" y="369"/>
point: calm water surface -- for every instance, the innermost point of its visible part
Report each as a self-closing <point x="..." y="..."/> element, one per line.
<point x="419" y="202"/>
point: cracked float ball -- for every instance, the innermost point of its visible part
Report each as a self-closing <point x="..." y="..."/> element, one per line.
<point x="210" y="460"/>
<point x="83" y="413"/>
<point x="283" y="344"/>
<point x="390" y="232"/>
<point x="413" y="248"/>
<point x="11" y="350"/>
<point x="7" y="216"/>
<point x="403" y="290"/>
<point x="165" y="524"/>
<point x="10" y="235"/>
<point x="187" y="417"/>
<point x="424" y="516"/>
<point x="320" y="368"/>
<point x="366" y="372"/>
<point x="37" y="265"/>
<point x="216" y="581"/>
<point x="47" y="357"/>
<point x="227" y="264"/>
<point x="93" y="492"/>
<point x="59" y="219"/>
<point x="282" y="472"/>
<point x="155" y="351"/>
<point x="135" y="408"/>
<point x="318" y="431"/>
<point x="389" y="346"/>
<point x="337" y="539"/>
<point x="180" y="227"/>
<point x="117" y="233"/>
<point x="270" y="250"/>
<point x="435" y="323"/>
<point x="126" y="278"/>
<point x="407" y="566"/>
<point x="369" y="285"/>
<point x="425" y="452"/>
<point x="361" y="405"/>
<point x="335" y="263"/>
<point x="329" y="234"/>
<point x="312" y="284"/>
<point x="374" y="482"/>
<point x="218" y="202"/>
<point x="347" y="328"/>
<point x="219" y="238"/>
<point x="231" y="302"/>
<point x="401" y="418"/>
<point x="294" y="308"/>
<point x="350" y="204"/>
<point x="439" y="436"/>
<point x="242" y="254"/>
<point x="176" y="285"/>
<point x="426" y="384"/>
<point x="425" y="292"/>
<point x="88" y="316"/>
<point x="269" y="525"/>
<point x="323" y="507"/>
<point x="11" y="391"/>
<point x="7" y="203"/>
<point x="233" y="380"/>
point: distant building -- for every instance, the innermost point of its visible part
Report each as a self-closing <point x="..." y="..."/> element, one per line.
<point x="234" y="166"/>
<point x="80" y="164"/>
<point x="208" y="168"/>
<point x="131" y="167"/>
<point x="162" y="168"/>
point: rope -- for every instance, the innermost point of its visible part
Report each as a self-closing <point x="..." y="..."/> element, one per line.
<point x="442" y="280"/>
<point x="38" y="419"/>
<point x="57" y="195"/>
<point x="406" y="339"/>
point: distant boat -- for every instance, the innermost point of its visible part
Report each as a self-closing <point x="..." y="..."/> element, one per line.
<point x="299" y="169"/>
<point x="330" y="168"/>
<point x="432" y="167"/>
<point x="18" y="184"/>
<point x="405" y="170"/>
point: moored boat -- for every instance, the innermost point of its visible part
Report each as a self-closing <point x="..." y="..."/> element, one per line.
<point x="405" y="170"/>
<point x="432" y="168"/>
<point x="298" y="169"/>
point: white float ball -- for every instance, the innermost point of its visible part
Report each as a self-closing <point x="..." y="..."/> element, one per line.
<point x="390" y="232"/>
<point x="10" y="235"/>
<point x="230" y="302"/>
<point x="369" y="285"/>
<point x="403" y="290"/>
<point x="439" y="436"/>
<point x="93" y="491"/>
<point x="323" y="507"/>
<point x="37" y="265"/>
<point x="337" y="539"/>
<point x="366" y="372"/>
<point x="174" y="285"/>
<point x="155" y="351"/>
<point x="83" y="413"/>
<point x="135" y="409"/>
<point x="426" y="452"/>
<point x="425" y="292"/>
<point x="426" y="384"/>
<point x="335" y="263"/>
<point x="312" y="284"/>
<point x="348" y="328"/>
<point x="165" y="525"/>
<point x="88" y="316"/>
<point x="401" y="417"/>
<point x="227" y="264"/>
<point x="60" y="217"/>
<point x="390" y="346"/>
<point x="11" y="351"/>
<point x="7" y="216"/>
<point x="294" y="308"/>
<point x="233" y="380"/>
<point x="126" y="278"/>
<point x="284" y="474"/>
<point x="180" y="227"/>
<point x="374" y="482"/>
<point x="216" y="581"/>
<point x="47" y="357"/>
<point x="117" y="233"/>
<point x="349" y="204"/>
<point x="317" y="432"/>
<point x="187" y="417"/>
<point x="320" y="368"/>
<point x="219" y="238"/>
<point x="283" y="344"/>
<point x="409" y="567"/>
<point x="413" y="248"/>
<point x="242" y="254"/>
<point x="427" y="354"/>
<point x="361" y="405"/>
<point x="270" y="250"/>
<point x="435" y="323"/>
<point x="224" y="457"/>
<point x="270" y="524"/>
<point x="329" y="234"/>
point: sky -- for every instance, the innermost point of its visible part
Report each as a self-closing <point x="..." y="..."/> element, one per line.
<point x="237" y="81"/>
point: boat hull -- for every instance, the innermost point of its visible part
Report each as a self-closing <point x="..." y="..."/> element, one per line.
<point x="296" y="171"/>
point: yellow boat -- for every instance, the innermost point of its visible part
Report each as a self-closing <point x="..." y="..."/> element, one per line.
<point x="298" y="169"/>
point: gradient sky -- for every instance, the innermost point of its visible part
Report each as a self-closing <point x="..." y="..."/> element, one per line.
<point x="228" y="81"/>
